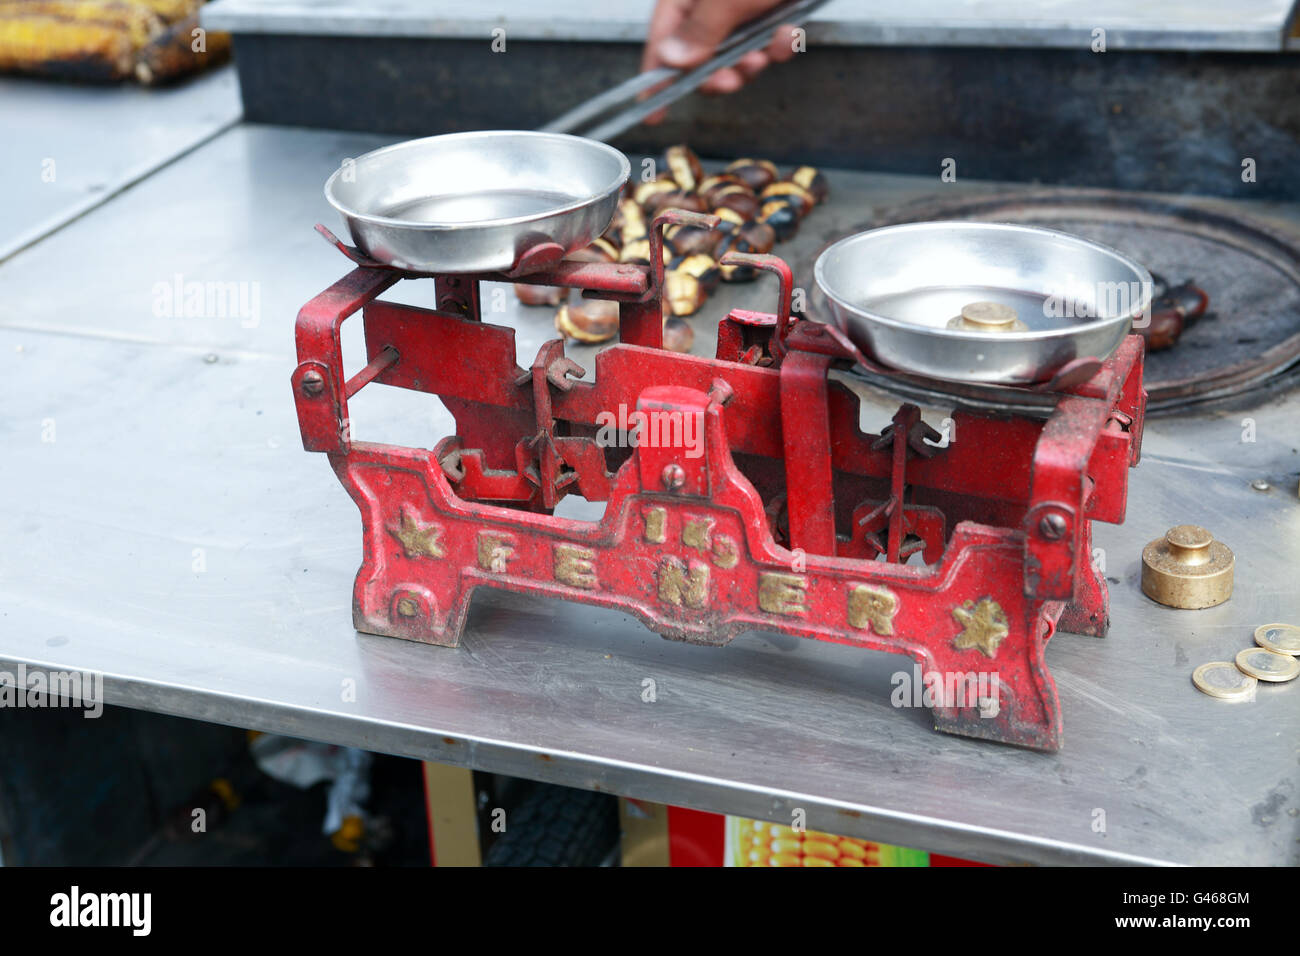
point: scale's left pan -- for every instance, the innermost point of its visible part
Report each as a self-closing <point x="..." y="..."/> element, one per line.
<point x="477" y="202"/>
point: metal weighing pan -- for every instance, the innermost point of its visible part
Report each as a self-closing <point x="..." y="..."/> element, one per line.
<point x="477" y="202"/>
<point x="981" y="302"/>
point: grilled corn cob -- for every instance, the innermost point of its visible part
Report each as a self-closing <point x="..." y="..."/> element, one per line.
<point x="103" y="40"/>
<point x="756" y="843"/>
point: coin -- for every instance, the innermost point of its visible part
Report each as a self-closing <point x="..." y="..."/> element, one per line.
<point x="1223" y="679"/>
<point x="1279" y="638"/>
<point x="1267" y="665"/>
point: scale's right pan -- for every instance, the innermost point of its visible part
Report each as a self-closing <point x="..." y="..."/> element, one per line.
<point x="981" y="302"/>
<point x="1247" y="343"/>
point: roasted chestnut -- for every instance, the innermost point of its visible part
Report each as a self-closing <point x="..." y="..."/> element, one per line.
<point x="629" y="221"/>
<point x="644" y="191"/>
<point x="678" y="334"/>
<point x="716" y="182"/>
<point x="688" y="240"/>
<point x="737" y="197"/>
<point x="638" y="253"/>
<point x="731" y="220"/>
<point x="782" y="214"/>
<point x="754" y="173"/>
<point x="541" y="294"/>
<point x="684" y="166"/>
<point x="703" y="267"/>
<point x="600" y="250"/>
<point x="591" y="321"/>
<point x="735" y="273"/>
<point x="755" y="207"/>
<point x="683" y="293"/>
<point x="785" y="189"/>
<point x="673" y="199"/>
<point x="811" y="179"/>
<point x="757" y="237"/>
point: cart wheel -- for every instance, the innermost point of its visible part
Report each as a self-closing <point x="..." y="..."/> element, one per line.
<point x="558" y="826"/>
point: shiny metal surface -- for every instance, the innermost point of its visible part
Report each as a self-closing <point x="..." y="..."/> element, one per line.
<point x="901" y="292"/>
<point x="476" y="202"/>
<point x="1179" y="25"/>
<point x="66" y="148"/>
<point x="207" y="571"/>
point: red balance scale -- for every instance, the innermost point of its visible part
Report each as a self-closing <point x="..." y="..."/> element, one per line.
<point x="780" y="515"/>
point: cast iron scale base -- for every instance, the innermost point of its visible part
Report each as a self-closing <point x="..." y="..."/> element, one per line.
<point x="780" y="515"/>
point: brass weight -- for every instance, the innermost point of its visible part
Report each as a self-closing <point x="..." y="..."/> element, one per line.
<point x="1187" y="568"/>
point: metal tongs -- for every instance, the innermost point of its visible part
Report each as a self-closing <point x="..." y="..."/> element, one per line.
<point x="592" y="119"/>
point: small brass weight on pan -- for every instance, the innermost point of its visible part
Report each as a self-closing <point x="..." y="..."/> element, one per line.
<point x="1187" y="568"/>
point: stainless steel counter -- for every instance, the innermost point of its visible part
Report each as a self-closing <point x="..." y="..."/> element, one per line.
<point x="1069" y="24"/>
<point x="163" y="525"/>
<point x="68" y="148"/>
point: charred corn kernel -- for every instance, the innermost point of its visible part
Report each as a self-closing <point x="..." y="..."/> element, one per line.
<point x="171" y="53"/>
<point x="59" y="47"/>
<point x="820" y="848"/>
<point x="139" y="22"/>
<point x="853" y="848"/>
<point x="171" y="9"/>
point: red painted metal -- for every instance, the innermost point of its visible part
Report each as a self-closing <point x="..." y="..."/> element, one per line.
<point x="741" y="492"/>
<point x="696" y="837"/>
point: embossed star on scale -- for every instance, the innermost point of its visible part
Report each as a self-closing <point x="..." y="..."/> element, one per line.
<point x="417" y="540"/>
<point x="983" y="626"/>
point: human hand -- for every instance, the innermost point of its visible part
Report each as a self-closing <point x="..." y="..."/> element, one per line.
<point x="685" y="33"/>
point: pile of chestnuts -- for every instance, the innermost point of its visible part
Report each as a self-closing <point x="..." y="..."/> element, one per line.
<point x="756" y="208"/>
